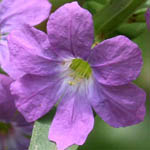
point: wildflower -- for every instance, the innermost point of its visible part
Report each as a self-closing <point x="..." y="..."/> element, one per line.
<point x="14" y="130"/>
<point x="61" y="68"/>
<point x="14" y="13"/>
<point x="147" y="16"/>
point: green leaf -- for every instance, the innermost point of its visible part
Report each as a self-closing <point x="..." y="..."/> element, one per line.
<point x="147" y="4"/>
<point x="99" y="1"/>
<point x="93" y="6"/>
<point x="114" y="14"/>
<point x="39" y="139"/>
<point x="57" y="3"/>
<point x="138" y="16"/>
<point x="1" y="71"/>
<point x="132" y="30"/>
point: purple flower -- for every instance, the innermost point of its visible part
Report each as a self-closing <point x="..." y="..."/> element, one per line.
<point x="62" y="69"/>
<point x="14" y="13"/>
<point x="147" y="16"/>
<point x="14" y="130"/>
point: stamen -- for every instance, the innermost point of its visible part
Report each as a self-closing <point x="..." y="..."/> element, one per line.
<point x="81" y="70"/>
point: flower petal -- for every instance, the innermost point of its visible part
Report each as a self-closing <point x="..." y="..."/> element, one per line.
<point x="147" y="16"/>
<point x="6" y="64"/>
<point x="36" y="95"/>
<point x="119" y="106"/>
<point x="7" y="105"/>
<point x="30" y="53"/>
<point x="16" y="139"/>
<point x="116" y="61"/>
<point x="70" y="30"/>
<point x="21" y="134"/>
<point x="73" y="121"/>
<point x="14" y="13"/>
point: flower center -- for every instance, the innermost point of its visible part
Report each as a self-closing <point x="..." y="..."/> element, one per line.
<point x="5" y="128"/>
<point x="81" y="70"/>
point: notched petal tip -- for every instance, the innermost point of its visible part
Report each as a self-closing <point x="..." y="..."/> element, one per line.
<point x="119" y="106"/>
<point x="72" y="123"/>
<point x="71" y="34"/>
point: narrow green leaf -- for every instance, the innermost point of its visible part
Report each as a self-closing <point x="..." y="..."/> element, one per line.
<point x="39" y="139"/>
<point x="138" y="16"/>
<point x="93" y="6"/>
<point x="99" y="1"/>
<point x="1" y="71"/>
<point x="147" y="4"/>
<point x="112" y="15"/>
<point x="57" y="3"/>
<point x="132" y="30"/>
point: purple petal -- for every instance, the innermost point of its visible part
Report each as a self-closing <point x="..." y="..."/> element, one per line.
<point x="119" y="106"/>
<point x="73" y="121"/>
<point x="36" y="95"/>
<point x="22" y="142"/>
<point x="30" y="53"/>
<point x="14" y="13"/>
<point x="6" y="64"/>
<point x="5" y="80"/>
<point x="147" y="16"/>
<point x="70" y="30"/>
<point x="116" y="61"/>
<point x="7" y="106"/>
<point x="22" y="131"/>
<point x="20" y="121"/>
<point x="4" y="52"/>
<point x="15" y="139"/>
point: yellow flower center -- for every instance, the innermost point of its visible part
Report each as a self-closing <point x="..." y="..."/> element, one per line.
<point x="81" y="71"/>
